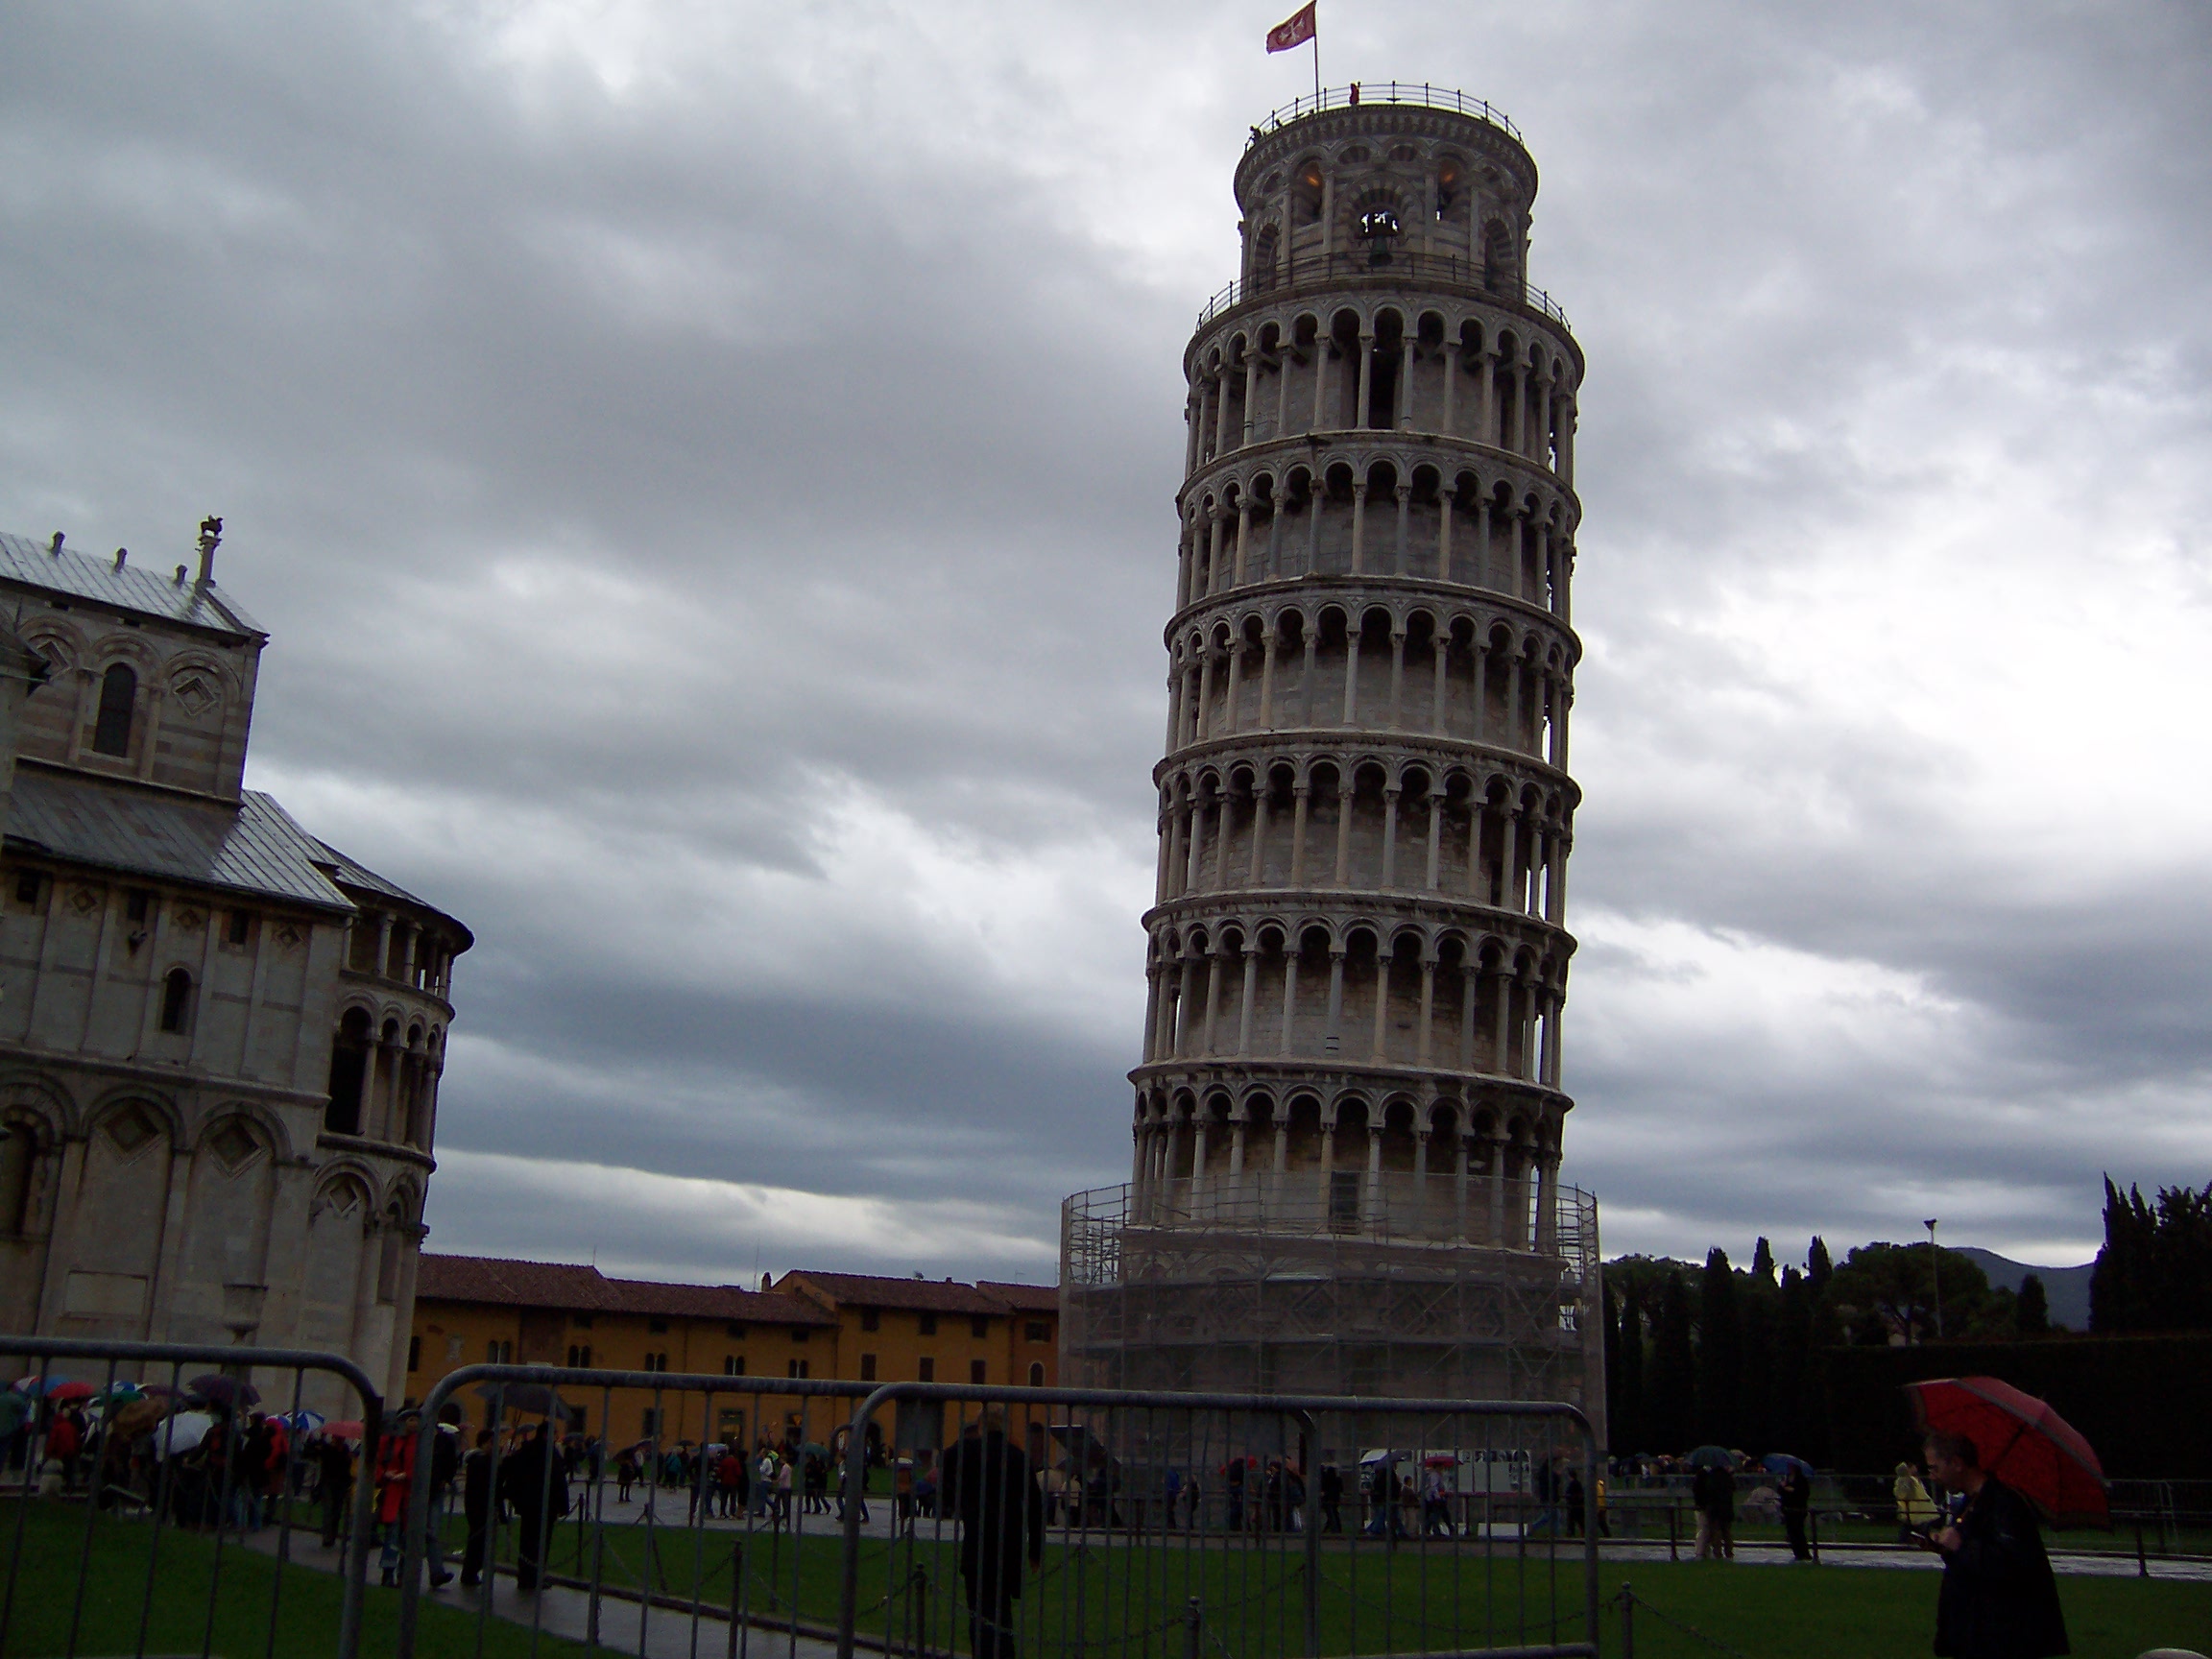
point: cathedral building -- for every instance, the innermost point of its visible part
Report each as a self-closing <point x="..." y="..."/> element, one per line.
<point x="220" y="1037"/>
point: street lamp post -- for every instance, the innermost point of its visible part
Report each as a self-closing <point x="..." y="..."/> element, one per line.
<point x="1936" y="1274"/>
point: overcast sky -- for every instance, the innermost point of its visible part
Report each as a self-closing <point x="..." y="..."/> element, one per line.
<point x="708" y="473"/>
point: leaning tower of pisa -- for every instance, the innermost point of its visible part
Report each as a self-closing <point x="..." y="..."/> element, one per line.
<point x="1348" y="1114"/>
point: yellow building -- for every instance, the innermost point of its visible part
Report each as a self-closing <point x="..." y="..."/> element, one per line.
<point x="936" y="1331"/>
<point x="471" y="1310"/>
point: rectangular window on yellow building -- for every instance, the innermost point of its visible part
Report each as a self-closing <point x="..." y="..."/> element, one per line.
<point x="798" y="1367"/>
<point x="928" y="1323"/>
<point x="867" y="1368"/>
<point x="929" y="1371"/>
<point x="870" y="1319"/>
<point x="976" y="1369"/>
<point x="982" y="1325"/>
<point x="733" y="1364"/>
<point x="498" y="1353"/>
<point x="1037" y="1331"/>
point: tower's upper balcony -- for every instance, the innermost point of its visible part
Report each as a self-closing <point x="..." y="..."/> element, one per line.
<point x="1392" y="183"/>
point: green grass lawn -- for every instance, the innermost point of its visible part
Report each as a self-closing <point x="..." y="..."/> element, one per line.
<point x="184" y="1577"/>
<point x="1373" y="1600"/>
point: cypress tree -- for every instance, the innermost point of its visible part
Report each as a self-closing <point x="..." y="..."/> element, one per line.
<point x="2119" y="1282"/>
<point x="1632" y="1429"/>
<point x="1818" y="1269"/>
<point x="1755" y="1390"/>
<point x="1670" y="1390"/>
<point x="1719" y="1352"/>
<point x="1762" y="1260"/>
<point x="1609" y="1312"/>
<point x="2031" y="1309"/>
<point x="1793" y="1365"/>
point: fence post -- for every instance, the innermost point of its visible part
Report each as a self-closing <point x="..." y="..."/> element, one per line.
<point x="1673" y="1533"/>
<point x="1813" y="1533"/>
<point x="1313" y="1538"/>
<point x="2142" y="1565"/>
<point x="849" y="1564"/>
<point x="1192" y="1629"/>
<point x="1589" y="1519"/>
<point x="736" y="1589"/>
<point x="1627" y="1623"/>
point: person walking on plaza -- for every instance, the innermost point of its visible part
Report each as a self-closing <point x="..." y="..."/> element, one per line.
<point x="1915" y="1507"/>
<point x="1795" y="1490"/>
<point x="1999" y="1599"/>
<point x="730" y="1475"/>
<point x="1331" y="1497"/>
<point x="395" y="1480"/>
<point x="476" y="1509"/>
<point x="625" y="1476"/>
<point x="1720" y="1511"/>
<point x="987" y="1484"/>
<point x="535" y="1482"/>
<point x="333" y="1484"/>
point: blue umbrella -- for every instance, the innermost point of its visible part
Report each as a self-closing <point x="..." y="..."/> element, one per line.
<point x="1781" y="1463"/>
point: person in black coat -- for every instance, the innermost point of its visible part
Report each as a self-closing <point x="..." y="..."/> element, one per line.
<point x="333" y="1484"/>
<point x="476" y="1509"/>
<point x="535" y="1482"/>
<point x="986" y="1484"/>
<point x="1795" y="1491"/>
<point x="2000" y="1598"/>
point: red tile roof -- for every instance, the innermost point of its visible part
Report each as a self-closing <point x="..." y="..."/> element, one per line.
<point x="489" y="1279"/>
<point x="925" y="1295"/>
<point x="1028" y="1298"/>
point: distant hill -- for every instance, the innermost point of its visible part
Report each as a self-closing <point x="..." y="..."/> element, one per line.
<point x="2065" y="1289"/>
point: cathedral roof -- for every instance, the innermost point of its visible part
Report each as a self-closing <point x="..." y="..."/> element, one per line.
<point x="143" y="592"/>
<point x="110" y="825"/>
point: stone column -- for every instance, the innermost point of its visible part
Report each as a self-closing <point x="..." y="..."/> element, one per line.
<point x="1382" y="1044"/>
<point x="1251" y="393"/>
<point x="1470" y="977"/>
<point x="1257" y="867"/>
<point x="1402" y="418"/>
<point x="1439" y="681"/>
<point x="1444" y="533"/>
<point x="1332" y="1037"/>
<point x="1303" y="793"/>
<point x="1267" y="680"/>
<point x="1214" y="957"/>
<point x="1244" y="1013"/>
<point x="1312" y="640"/>
<point x="1500" y="1145"/>
<point x="1201" y="723"/>
<point x="1352" y="630"/>
<point x="1405" y="507"/>
<point x="1435" y="836"/>
<point x="1427" y="1007"/>
<point x="1243" y="536"/>
<point x="1360" y="410"/>
<point x="1358" y="524"/>
<point x="1230" y="690"/>
<point x="1183" y="1033"/>
<point x="1347" y="796"/>
<point x="1289" y="994"/>
<point x="1391" y="793"/>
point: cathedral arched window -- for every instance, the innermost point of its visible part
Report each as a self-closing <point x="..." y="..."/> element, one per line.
<point x="118" y="694"/>
<point x="175" y="1000"/>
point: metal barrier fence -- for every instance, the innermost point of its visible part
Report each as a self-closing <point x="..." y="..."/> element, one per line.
<point x="165" y="1484"/>
<point x="1065" y="1523"/>
<point x="625" y="1560"/>
<point x="1309" y="1524"/>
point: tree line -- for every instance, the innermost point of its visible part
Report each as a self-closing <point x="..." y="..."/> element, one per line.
<point x="1717" y="1355"/>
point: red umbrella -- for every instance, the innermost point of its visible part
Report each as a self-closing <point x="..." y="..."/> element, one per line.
<point x="342" y="1431"/>
<point x="2022" y="1442"/>
<point x="70" y="1391"/>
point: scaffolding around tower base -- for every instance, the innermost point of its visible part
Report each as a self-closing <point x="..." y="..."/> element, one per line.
<point x="1313" y="1281"/>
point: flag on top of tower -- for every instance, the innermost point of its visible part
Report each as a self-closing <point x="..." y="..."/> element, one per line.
<point x="1294" y="30"/>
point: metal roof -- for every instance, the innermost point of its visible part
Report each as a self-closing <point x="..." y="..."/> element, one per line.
<point x="148" y="593"/>
<point x="252" y="847"/>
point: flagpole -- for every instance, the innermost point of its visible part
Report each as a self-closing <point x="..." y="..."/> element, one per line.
<point x="1316" y="71"/>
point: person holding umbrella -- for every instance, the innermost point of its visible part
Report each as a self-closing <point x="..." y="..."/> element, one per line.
<point x="534" y="1481"/>
<point x="394" y="1481"/>
<point x="1999" y="1599"/>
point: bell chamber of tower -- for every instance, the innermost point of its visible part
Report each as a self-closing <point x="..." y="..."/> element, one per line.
<point x="1349" y="1113"/>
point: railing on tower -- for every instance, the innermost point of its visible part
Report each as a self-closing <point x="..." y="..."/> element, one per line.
<point x="1400" y="92"/>
<point x="1363" y="1205"/>
<point x="1370" y="265"/>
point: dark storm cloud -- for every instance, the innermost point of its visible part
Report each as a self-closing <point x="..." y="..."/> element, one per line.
<point x="707" y="474"/>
